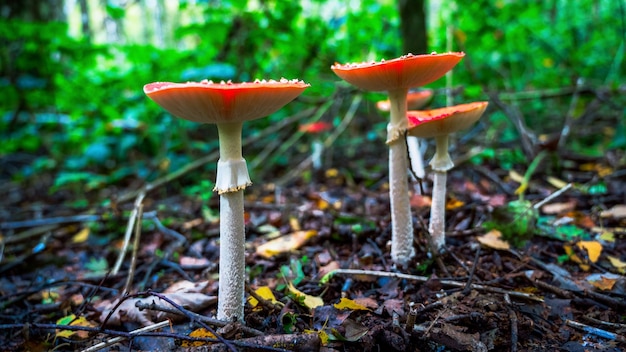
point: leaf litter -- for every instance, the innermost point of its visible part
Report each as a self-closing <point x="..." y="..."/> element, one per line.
<point x="556" y="282"/>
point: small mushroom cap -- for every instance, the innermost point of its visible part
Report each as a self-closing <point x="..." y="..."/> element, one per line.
<point x="208" y="102"/>
<point x="414" y="100"/>
<point x="443" y="121"/>
<point x="315" y="127"/>
<point x="402" y="72"/>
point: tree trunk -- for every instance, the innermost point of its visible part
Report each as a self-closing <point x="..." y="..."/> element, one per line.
<point x="84" y="19"/>
<point x="413" y="26"/>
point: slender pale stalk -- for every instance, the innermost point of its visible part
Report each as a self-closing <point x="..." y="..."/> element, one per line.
<point x="402" y="250"/>
<point x="437" y="224"/>
<point x="232" y="232"/>
<point x="441" y="163"/>
<point x="415" y="154"/>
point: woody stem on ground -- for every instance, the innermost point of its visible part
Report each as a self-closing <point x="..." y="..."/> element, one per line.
<point x="441" y="163"/>
<point x="402" y="250"/>
<point x="232" y="232"/>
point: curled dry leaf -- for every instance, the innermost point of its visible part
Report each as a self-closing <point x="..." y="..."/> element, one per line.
<point x="128" y="312"/>
<point x="616" y="212"/>
<point x="493" y="239"/>
<point x="285" y="243"/>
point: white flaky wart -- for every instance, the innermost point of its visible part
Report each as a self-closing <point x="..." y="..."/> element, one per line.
<point x="232" y="257"/>
<point x="232" y="176"/>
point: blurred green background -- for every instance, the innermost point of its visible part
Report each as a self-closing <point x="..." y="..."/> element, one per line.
<point x="74" y="119"/>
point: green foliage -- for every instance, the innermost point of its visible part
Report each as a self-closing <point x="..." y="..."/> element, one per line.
<point x="516" y="221"/>
<point x="77" y="109"/>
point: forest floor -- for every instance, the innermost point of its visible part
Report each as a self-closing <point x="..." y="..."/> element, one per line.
<point x="562" y="289"/>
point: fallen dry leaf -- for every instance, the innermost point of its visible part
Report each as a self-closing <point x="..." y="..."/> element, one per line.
<point x="593" y="248"/>
<point x="264" y="292"/>
<point x="616" y="212"/>
<point x="302" y="298"/>
<point x="492" y="239"/>
<point x="602" y="282"/>
<point x="558" y="208"/>
<point x="617" y="264"/>
<point x="346" y="303"/>
<point x="128" y="312"/>
<point x="285" y="243"/>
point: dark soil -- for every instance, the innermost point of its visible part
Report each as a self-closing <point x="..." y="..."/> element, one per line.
<point x="548" y="294"/>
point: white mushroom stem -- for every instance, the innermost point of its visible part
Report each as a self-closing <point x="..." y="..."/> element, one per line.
<point x="402" y="250"/>
<point x="441" y="163"/>
<point x="232" y="179"/>
<point x="415" y="154"/>
<point x="317" y="148"/>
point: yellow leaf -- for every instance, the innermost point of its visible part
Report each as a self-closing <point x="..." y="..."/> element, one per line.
<point x="330" y="173"/>
<point x="264" y="292"/>
<point x="555" y="182"/>
<point x="454" y="204"/>
<point x="346" y="303"/>
<point x="593" y="248"/>
<point x="570" y="253"/>
<point x="81" y="236"/>
<point x="285" y="243"/>
<point x="618" y="264"/>
<point x="294" y="223"/>
<point x="302" y="298"/>
<point x="607" y="237"/>
<point x="72" y="320"/>
<point x="200" y="333"/>
<point x="492" y="239"/>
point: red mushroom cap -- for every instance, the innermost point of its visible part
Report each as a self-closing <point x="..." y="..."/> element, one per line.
<point x="414" y="100"/>
<point x="315" y="127"/>
<point x="443" y="121"/>
<point x="209" y="102"/>
<point x="403" y="72"/>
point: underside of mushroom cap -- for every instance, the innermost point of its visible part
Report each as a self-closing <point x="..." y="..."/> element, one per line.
<point x="402" y="72"/>
<point x="208" y="102"/>
<point x="414" y="100"/>
<point x="444" y="121"/>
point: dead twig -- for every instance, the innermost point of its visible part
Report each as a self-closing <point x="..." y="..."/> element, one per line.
<point x="595" y="331"/>
<point x="129" y="229"/>
<point x="115" y="340"/>
<point x="219" y="323"/>
<point x="468" y="285"/>
<point x="133" y="260"/>
<point x="527" y="136"/>
<point x="513" y="319"/>
<point x="449" y="283"/>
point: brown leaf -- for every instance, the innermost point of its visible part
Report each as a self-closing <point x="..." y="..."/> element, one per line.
<point x="493" y="239"/>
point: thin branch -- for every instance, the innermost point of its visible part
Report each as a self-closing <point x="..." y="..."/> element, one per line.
<point x="129" y="230"/>
<point x="114" y="340"/>
<point x="449" y="283"/>
<point x="527" y="136"/>
<point x="133" y="260"/>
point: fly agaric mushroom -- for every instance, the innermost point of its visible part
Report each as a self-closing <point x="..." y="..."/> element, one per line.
<point x="439" y="123"/>
<point x="414" y="100"/>
<point x="317" y="147"/>
<point x="395" y="77"/>
<point x="227" y="105"/>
